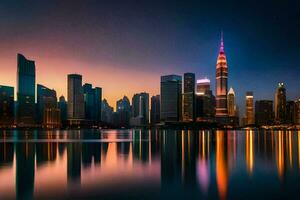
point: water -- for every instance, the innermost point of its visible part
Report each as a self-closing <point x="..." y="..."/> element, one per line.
<point x="142" y="164"/>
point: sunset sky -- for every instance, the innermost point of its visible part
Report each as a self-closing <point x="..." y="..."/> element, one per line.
<point x="125" y="46"/>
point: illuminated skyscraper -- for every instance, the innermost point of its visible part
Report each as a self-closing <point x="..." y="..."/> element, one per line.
<point x="231" y="103"/>
<point x="280" y="104"/>
<point x="25" y="92"/>
<point x="188" y="97"/>
<point x="6" y="106"/>
<point x="75" y="99"/>
<point x="171" y="98"/>
<point x="249" y="109"/>
<point x="221" y="84"/>
<point x="203" y="86"/>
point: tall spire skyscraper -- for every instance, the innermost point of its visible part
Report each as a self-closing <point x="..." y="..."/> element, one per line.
<point x="221" y="84"/>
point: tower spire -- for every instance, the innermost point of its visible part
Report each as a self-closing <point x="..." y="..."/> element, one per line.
<point x="222" y="42"/>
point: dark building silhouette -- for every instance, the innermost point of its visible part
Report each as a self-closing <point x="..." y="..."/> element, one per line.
<point x="155" y="109"/>
<point x="221" y="85"/>
<point x="25" y="92"/>
<point x="7" y="106"/>
<point x="92" y="103"/>
<point x="106" y="112"/>
<point x="140" y="109"/>
<point x="264" y="114"/>
<point x="170" y="98"/>
<point x="291" y="112"/>
<point x="75" y="99"/>
<point x="47" y="111"/>
<point x="188" y="97"/>
<point x="280" y="104"/>
<point x="63" y="107"/>
<point x="122" y="116"/>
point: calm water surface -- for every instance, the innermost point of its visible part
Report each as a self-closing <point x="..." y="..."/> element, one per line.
<point x="143" y="164"/>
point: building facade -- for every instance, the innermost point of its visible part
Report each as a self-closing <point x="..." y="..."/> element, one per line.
<point x="188" y="97"/>
<point x="264" y="114"/>
<point x="122" y="116"/>
<point x="171" y="98"/>
<point x="249" y="109"/>
<point x="140" y="110"/>
<point x="76" y="112"/>
<point x="26" y="111"/>
<point x="107" y="112"/>
<point x="291" y="112"/>
<point x="280" y="104"/>
<point x="92" y="103"/>
<point x="221" y="85"/>
<point x="7" y="106"/>
<point x="231" y="103"/>
<point x="63" y="107"/>
<point x="155" y="110"/>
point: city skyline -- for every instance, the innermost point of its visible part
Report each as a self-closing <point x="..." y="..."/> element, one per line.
<point x="257" y="62"/>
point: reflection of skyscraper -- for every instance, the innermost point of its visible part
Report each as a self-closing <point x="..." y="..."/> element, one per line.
<point x="92" y="102"/>
<point x="155" y="109"/>
<point x="249" y="109"/>
<point x="140" y="109"/>
<point x="221" y="85"/>
<point x="6" y="106"/>
<point x="74" y="162"/>
<point x="75" y="99"/>
<point x="188" y="97"/>
<point x="264" y="114"/>
<point x="280" y="104"/>
<point x="25" y="92"/>
<point x="170" y="96"/>
<point x="48" y="113"/>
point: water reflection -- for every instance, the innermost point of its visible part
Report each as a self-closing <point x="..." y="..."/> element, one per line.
<point x="149" y="164"/>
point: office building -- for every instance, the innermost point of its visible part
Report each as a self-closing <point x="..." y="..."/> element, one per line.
<point x="298" y="111"/>
<point x="122" y="116"/>
<point x="107" y="112"/>
<point x="188" y="97"/>
<point x="231" y="103"/>
<point x="203" y="86"/>
<point x="171" y="98"/>
<point x="249" y="109"/>
<point x="155" y="110"/>
<point x="7" y="106"/>
<point x="26" y="112"/>
<point x="63" y="107"/>
<point x="280" y="104"/>
<point x="76" y="112"/>
<point x="264" y="114"/>
<point x="92" y="102"/>
<point x="221" y="85"/>
<point x="291" y="112"/>
<point x="140" y="110"/>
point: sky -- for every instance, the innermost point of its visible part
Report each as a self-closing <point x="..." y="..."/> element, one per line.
<point x="125" y="46"/>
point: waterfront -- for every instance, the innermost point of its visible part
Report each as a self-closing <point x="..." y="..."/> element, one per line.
<point x="149" y="164"/>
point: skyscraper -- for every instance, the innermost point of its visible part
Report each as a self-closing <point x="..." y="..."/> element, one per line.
<point x="188" y="97"/>
<point x="63" y="107"/>
<point x="221" y="85"/>
<point x="204" y="102"/>
<point x="7" y="106"/>
<point x="140" y="109"/>
<point x="123" y="113"/>
<point x="106" y="112"/>
<point x="298" y="112"/>
<point x="75" y="99"/>
<point x="264" y="114"/>
<point x="280" y="104"/>
<point x="46" y="98"/>
<point x="92" y="102"/>
<point x="249" y="108"/>
<point x="171" y="98"/>
<point x="25" y="92"/>
<point x="155" y="109"/>
<point x="231" y="103"/>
